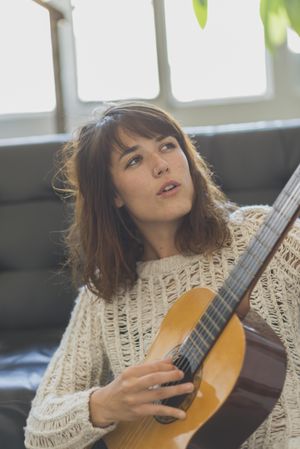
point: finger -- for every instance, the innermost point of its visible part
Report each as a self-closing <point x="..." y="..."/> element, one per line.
<point x="160" y="410"/>
<point x="153" y="379"/>
<point x="150" y="367"/>
<point x="164" y="393"/>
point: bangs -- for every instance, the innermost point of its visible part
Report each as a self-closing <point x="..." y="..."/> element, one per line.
<point x="139" y="124"/>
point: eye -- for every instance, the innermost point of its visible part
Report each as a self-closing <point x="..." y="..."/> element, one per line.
<point x="168" y="146"/>
<point x="133" y="161"/>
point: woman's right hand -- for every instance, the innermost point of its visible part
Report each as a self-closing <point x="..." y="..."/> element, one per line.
<point x="133" y="393"/>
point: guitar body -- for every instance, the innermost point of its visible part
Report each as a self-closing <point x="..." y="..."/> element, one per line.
<point x="235" y="389"/>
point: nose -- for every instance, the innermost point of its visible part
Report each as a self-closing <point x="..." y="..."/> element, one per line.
<point x="160" y="167"/>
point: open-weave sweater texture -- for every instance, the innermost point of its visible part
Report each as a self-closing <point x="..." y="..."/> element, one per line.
<point x="103" y="338"/>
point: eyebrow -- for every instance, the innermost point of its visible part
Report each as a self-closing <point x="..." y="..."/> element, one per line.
<point x="136" y="147"/>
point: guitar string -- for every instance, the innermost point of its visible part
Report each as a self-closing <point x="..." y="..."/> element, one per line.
<point x="129" y="440"/>
<point x="238" y="279"/>
<point x="143" y="425"/>
<point x="220" y="310"/>
<point x="205" y="326"/>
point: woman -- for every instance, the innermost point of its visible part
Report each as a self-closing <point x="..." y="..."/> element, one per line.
<point x="150" y="224"/>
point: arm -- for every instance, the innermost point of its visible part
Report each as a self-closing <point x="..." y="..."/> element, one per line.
<point x="59" y="416"/>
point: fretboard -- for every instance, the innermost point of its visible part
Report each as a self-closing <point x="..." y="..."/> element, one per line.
<point x="246" y="272"/>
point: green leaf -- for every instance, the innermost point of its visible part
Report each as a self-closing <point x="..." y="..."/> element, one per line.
<point x="200" y="9"/>
<point x="275" y="21"/>
<point x="293" y="12"/>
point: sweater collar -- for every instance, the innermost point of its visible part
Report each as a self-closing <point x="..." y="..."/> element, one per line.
<point x="165" y="265"/>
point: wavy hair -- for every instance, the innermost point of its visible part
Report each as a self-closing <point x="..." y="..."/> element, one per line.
<point x="103" y="242"/>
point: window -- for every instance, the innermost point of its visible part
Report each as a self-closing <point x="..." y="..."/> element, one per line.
<point x="293" y="41"/>
<point x="26" y="76"/>
<point x="115" y="49"/>
<point x="225" y="60"/>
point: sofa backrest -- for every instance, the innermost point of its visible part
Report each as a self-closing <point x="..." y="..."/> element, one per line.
<point x="253" y="161"/>
<point x="33" y="291"/>
<point x="252" y="164"/>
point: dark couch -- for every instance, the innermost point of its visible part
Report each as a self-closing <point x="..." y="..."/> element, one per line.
<point x="252" y="164"/>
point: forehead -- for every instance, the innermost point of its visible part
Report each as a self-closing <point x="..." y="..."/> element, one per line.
<point x="133" y="124"/>
<point x="125" y="139"/>
<point x="129" y="143"/>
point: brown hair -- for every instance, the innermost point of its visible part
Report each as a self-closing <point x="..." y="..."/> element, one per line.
<point x="103" y="242"/>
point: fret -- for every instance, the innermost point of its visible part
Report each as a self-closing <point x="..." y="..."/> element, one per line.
<point x="225" y="303"/>
<point x="235" y="284"/>
<point x="292" y="198"/>
<point x="213" y="321"/>
<point x="195" y="343"/>
<point x="281" y="214"/>
<point x="203" y="333"/>
<point x="255" y="255"/>
<point x="215" y="314"/>
<point x="210" y="311"/>
<point x="261" y="243"/>
<point x="207" y="341"/>
<point x="201" y="339"/>
<point x="272" y="229"/>
<point x="200" y="346"/>
<point x="222" y="307"/>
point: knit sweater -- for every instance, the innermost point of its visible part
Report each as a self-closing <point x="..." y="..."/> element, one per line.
<point x="103" y="338"/>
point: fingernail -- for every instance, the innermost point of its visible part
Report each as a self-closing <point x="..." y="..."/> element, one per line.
<point x="182" y="414"/>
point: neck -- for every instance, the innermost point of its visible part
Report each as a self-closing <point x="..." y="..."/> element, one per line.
<point x="159" y="243"/>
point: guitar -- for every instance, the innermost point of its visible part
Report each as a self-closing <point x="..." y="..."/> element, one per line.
<point x="238" y="368"/>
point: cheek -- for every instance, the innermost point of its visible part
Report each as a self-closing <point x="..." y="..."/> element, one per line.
<point x="130" y="192"/>
<point x="183" y="166"/>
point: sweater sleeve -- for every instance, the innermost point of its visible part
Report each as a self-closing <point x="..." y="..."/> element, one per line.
<point x="59" y="417"/>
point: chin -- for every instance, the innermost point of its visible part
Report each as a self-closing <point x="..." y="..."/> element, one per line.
<point x="180" y="214"/>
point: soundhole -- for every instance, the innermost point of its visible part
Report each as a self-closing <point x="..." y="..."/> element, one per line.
<point x="182" y="401"/>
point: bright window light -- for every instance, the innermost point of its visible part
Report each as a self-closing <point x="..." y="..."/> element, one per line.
<point x="225" y="60"/>
<point x="26" y="75"/>
<point x="115" y="49"/>
<point x="293" y="41"/>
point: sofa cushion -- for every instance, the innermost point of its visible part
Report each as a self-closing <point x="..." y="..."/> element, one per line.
<point x="24" y="356"/>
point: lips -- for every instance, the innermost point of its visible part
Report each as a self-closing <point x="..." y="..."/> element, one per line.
<point x="167" y="187"/>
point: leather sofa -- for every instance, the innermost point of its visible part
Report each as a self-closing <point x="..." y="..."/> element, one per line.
<point x="252" y="163"/>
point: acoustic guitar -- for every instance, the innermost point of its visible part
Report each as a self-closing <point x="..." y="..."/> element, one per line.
<point x="238" y="368"/>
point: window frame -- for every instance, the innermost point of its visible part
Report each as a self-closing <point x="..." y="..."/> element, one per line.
<point x="281" y="101"/>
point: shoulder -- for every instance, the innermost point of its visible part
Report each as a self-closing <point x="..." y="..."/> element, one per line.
<point x="250" y="214"/>
<point x="86" y="301"/>
<point x="247" y="220"/>
<point x="86" y="295"/>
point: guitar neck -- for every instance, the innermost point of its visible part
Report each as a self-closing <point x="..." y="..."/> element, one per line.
<point x="248" y="269"/>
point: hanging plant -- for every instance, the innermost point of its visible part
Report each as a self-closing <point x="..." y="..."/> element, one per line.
<point x="276" y="16"/>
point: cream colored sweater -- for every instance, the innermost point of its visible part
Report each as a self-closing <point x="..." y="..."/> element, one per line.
<point x="102" y="339"/>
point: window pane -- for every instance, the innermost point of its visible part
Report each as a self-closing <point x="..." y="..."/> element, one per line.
<point x="115" y="49"/>
<point x="26" y="75"/>
<point x="225" y="60"/>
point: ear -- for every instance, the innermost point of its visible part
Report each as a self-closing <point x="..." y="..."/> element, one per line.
<point x="118" y="201"/>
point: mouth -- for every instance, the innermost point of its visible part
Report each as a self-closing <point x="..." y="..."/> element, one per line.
<point x="167" y="187"/>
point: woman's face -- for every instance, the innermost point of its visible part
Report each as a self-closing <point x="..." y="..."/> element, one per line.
<point x="152" y="180"/>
